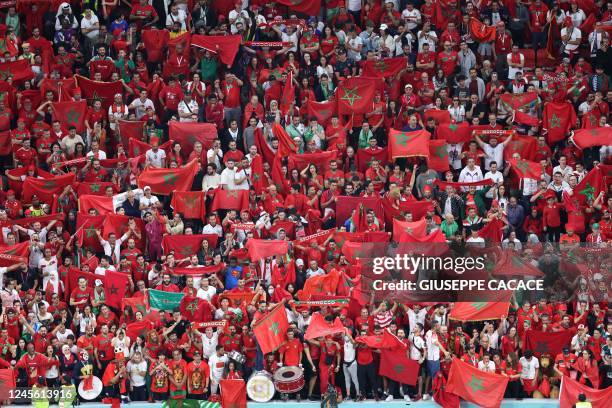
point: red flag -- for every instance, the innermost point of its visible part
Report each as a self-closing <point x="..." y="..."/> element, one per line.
<point x="552" y="51"/>
<point x="155" y="41"/>
<point x="525" y="118"/>
<point x="198" y="270"/>
<point x="588" y="6"/>
<point x="356" y="95"/>
<point x="98" y="189"/>
<point x="441" y="396"/>
<point x="191" y="204"/>
<point x="129" y="129"/>
<point x="165" y="181"/>
<point x="408" y="144"/>
<point x="468" y="382"/>
<point x="456" y="185"/>
<point x="286" y="144"/>
<point x="279" y="180"/>
<point x="7" y="379"/>
<point x="233" y="394"/>
<point x="115" y="288"/>
<point x="558" y="118"/>
<point x="7" y="44"/>
<point x="441" y="116"/>
<point x="288" y="95"/>
<point x="191" y="308"/>
<point x="226" y="46"/>
<point x="70" y="114"/>
<point x="396" y="365"/>
<point x="523" y="101"/>
<point x="308" y="7"/>
<point x="187" y="133"/>
<point x="364" y="157"/>
<point x="493" y="231"/>
<point x="526" y="169"/>
<point x="591" y="185"/>
<point x="101" y="91"/>
<point x="140" y="328"/>
<point x="136" y="304"/>
<point x="510" y="264"/>
<point x="86" y="231"/>
<point x="320" y="285"/>
<point x="551" y="343"/>
<point x="454" y="132"/>
<point x="319" y="327"/>
<point x="433" y="244"/>
<point x="270" y="331"/>
<point x="482" y="32"/>
<point x="346" y="204"/>
<point x="415" y="228"/>
<point x="385" y="341"/>
<point x="382" y="68"/>
<point x="587" y="25"/>
<point x="258" y="180"/>
<point x="103" y="205"/>
<point x="438" y="155"/>
<point x="45" y="188"/>
<point x="118" y="225"/>
<point x="479" y="311"/>
<point x="320" y="160"/>
<point x="445" y="10"/>
<point x="19" y="70"/>
<point x="6" y="147"/>
<point x="571" y="389"/>
<point x="598" y="136"/>
<point x="418" y="209"/>
<point x="230" y="200"/>
<point x="187" y="245"/>
<point x="9" y="255"/>
<point x="74" y="274"/>
<point x="263" y="147"/>
<point x="323" y="111"/>
<point x="263" y="248"/>
<point x="525" y="146"/>
<point x="136" y="148"/>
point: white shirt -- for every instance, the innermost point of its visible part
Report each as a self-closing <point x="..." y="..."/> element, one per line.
<point x="180" y="17"/>
<point x="155" y="158"/>
<point x="140" y="107"/>
<point x="433" y="350"/>
<point x="575" y="35"/>
<point x="429" y="39"/>
<point x="414" y="318"/>
<point x="228" y="177"/>
<point x="100" y="155"/>
<point x="355" y="43"/>
<point x="495" y="154"/>
<point x="211" y="157"/>
<point x="349" y="351"/>
<point x="136" y="379"/>
<point x="469" y="176"/>
<point x="209" y="344"/>
<point x="513" y="70"/>
<point x="207" y="294"/>
<point x="244" y="184"/>
<point x="50" y="267"/>
<point x="489" y="367"/>
<point x="457" y="113"/>
<point x="100" y="270"/>
<point x="566" y="171"/>
<point x="190" y="108"/>
<point x="412" y="18"/>
<point x="88" y="23"/>
<point x="209" y="229"/>
<point x="529" y="367"/>
<point x="217" y="365"/>
<point x="116" y="251"/>
<point x="417" y="345"/>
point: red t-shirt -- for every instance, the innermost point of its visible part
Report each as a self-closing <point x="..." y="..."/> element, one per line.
<point x="292" y="352"/>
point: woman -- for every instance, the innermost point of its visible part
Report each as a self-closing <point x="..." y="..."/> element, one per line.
<point x="306" y="93"/>
<point x="457" y="111"/>
<point x="294" y="178"/>
<point x="509" y="342"/>
<point x="137" y="346"/>
<point x="439" y="80"/>
<point x="329" y="362"/>
<point x="328" y="42"/>
<point x="53" y="363"/>
<point x="511" y="368"/>
<point x="175" y="154"/>
<point x="311" y="177"/>
<point x="232" y="372"/>
<point x="588" y="371"/>
<point x="121" y="343"/>
<point x="308" y="69"/>
<point x="324" y="68"/>
<point x="274" y="115"/>
<point x="291" y="64"/>
<point x="204" y="252"/>
<point x="56" y="155"/>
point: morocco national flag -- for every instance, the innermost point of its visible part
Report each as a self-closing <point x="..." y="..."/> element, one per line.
<point x="599" y="136"/>
<point x="270" y="331"/>
<point x="320" y="160"/>
<point x="286" y="144"/>
<point x="187" y="245"/>
<point x="385" y="341"/>
<point x="230" y="200"/>
<point x="438" y="155"/>
<point x="323" y="111"/>
<point x="364" y="157"/>
<point x="191" y="308"/>
<point x="356" y="95"/>
<point x="12" y="254"/>
<point x="558" y="118"/>
<point x="481" y="31"/>
<point x="99" y="91"/>
<point x="416" y="228"/>
<point x="483" y="389"/>
<point x="70" y="114"/>
<point x="454" y="132"/>
<point x="140" y="328"/>
<point x="103" y="205"/>
<point x="258" y="181"/>
<point x="115" y="288"/>
<point x="527" y="169"/>
<point x="525" y="118"/>
<point x="132" y="129"/>
<point x="161" y="300"/>
<point x="86" y="231"/>
<point x="190" y="204"/>
<point x="135" y="304"/>
<point x="571" y="389"/>
<point x="225" y="46"/>
<point x="17" y="70"/>
<point x="187" y="133"/>
<point x="479" y="311"/>
<point x="288" y="95"/>
<point x="408" y="144"/>
<point x="264" y="248"/>
<point x="551" y="343"/>
<point x="165" y="181"/>
<point x="524" y="101"/>
<point x="45" y="188"/>
<point x="396" y="365"/>
<point x="308" y="7"/>
<point x="525" y="146"/>
<point x="118" y="225"/>
<point x="440" y="116"/>
<point x="383" y="68"/>
<point x="510" y="264"/>
<point x="319" y="327"/>
<point x="7" y="380"/>
<point x="320" y="285"/>
<point x="233" y="394"/>
<point x="493" y="231"/>
<point x="592" y="184"/>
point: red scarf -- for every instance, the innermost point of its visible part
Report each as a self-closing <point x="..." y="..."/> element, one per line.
<point x="515" y="57"/>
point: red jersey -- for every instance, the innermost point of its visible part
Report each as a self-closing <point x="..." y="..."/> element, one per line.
<point x="292" y="352"/>
<point x="197" y="373"/>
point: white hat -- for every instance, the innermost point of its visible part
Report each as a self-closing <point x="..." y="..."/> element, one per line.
<point x="146" y="188"/>
<point x="98" y="282"/>
<point x="383" y="26"/>
<point x="299" y="262"/>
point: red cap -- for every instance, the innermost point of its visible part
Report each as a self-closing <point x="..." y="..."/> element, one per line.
<point x="10" y="192"/>
<point x="427" y="188"/>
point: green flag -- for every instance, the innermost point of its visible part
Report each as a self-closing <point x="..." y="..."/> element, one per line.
<point x="158" y="299"/>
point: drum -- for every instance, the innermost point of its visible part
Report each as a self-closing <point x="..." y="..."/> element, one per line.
<point x="289" y="379"/>
<point x="260" y="387"/>
<point x="94" y="392"/>
<point x="237" y="356"/>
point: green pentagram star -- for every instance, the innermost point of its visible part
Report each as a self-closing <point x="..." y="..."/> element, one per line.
<point x="95" y="188"/>
<point x="170" y="179"/>
<point x="90" y="231"/>
<point x="478" y="305"/>
<point x="440" y="152"/>
<point x="380" y="65"/>
<point x="192" y="307"/>
<point x="522" y="165"/>
<point x="516" y="261"/>
<point x="588" y="191"/>
<point x="136" y="151"/>
<point x="324" y="113"/>
<point x="49" y="184"/>
<point x="475" y="384"/>
<point x="402" y="139"/>
<point x="113" y="290"/>
<point x="72" y="116"/>
<point x="186" y="251"/>
<point x="350" y="95"/>
<point x="398" y="368"/>
<point x="5" y="74"/>
<point x="554" y="122"/>
<point x="452" y="127"/>
<point x="191" y="202"/>
<point x="274" y="328"/>
<point x="517" y="145"/>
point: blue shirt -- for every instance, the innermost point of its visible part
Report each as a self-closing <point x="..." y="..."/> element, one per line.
<point x="232" y="274"/>
<point x="516" y="215"/>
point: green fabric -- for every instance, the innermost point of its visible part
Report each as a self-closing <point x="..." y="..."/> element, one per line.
<point x="449" y="230"/>
<point x="208" y="69"/>
<point x="161" y="300"/>
<point x="364" y="139"/>
<point x="125" y="74"/>
<point x="191" y="403"/>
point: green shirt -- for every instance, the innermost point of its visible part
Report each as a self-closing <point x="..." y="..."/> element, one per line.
<point x="449" y="230"/>
<point x="364" y="139"/>
<point x="121" y="66"/>
<point x="208" y="69"/>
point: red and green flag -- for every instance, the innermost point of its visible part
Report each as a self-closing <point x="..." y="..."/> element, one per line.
<point x="132" y="129"/>
<point x="233" y="394"/>
<point x="471" y="384"/>
<point x="558" y="118"/>
<point x="441" y="116"/>
<point x="258" y="180"/>
<point x="438" y="155"/>
<point x="319" y="327"/>
<point x="264" y="248"/>
<point x="102" y="205"/>
<point x="415" y="228"/>
<point x="550" y="343"/>
<point x="364" y="158"/>
<point x="320" y="160"/>
<point x="86" y="227"/>
<point x="523" y="101"/>
<point x="493" y="231"/>
<point x="225" y="46"/>
<point x="190" y="204"/>
<point x="571" y="389"/>
<point x="270" y="331"/>
<point x="384" y="341"/>
<point x="481" y="31"/>
<point x="191" y="308"/>
<point x="140" y="328"/>
<point x="161" y="300"/>
<point x="592" y="184"/>
<point x="525" y="118"/>
<point x="187" y="133"/>
<point x="9" y="255"/>
<point x="396" y="365"/>
<point x="510" y="264"/>
<point x="45" y="189"/>
<point x="286" y="144"/>
<point x="98" y="90"/>
<point x="118" y="225"/>
<point x="287" y="95"/>
<point x="356" y="95"/>
<point x="70" y="114"/>
<point x="7" y="382"/>
<point x="383" y="68"/>
<point x="165" y="181"/>
<point x="526" y="168"/>
<point x="323" y="111"/>
<point x="525" y="146"/>
<point x="187" y="245"/>
<point x="135" y="304"/>
<point x="308" y="7"/>
<point x="408" y="144"/>
<point x="320" y="285"/>
<point x="230" y="200"/>
<point x="479" y="311"/>
<point x="115" y="288"/>
<point x="454" y="132"/>
<point x="19" y="70"/>
<point x="596" y="136"/>
<point x="98" y="189"/>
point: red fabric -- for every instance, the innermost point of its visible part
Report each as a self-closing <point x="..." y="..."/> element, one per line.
<point x="230" y="200"/>
<point x="270" y="331"/>
<point x="258" y="180"/>
<point x="525" y="146"/>
<point x="454" y="132"/>
<point x="286" y="144"/>
<point x="570" y="389"/>
<point x="191" y="204"/>
<point x="356" y="95"/>
<point x="525" y="118"/>
<point x="71" y="114"/>
<point x="98" y="189"/>
<point x="320" y="160"/>
<point x="187" y="133"/>
<point x="288" y="95"/>
<point x="441" y="396"/>
<point x="86" y="231"/>
<point x="323" y="111"/>
<point x="481" y="31"/>
<point x="135" y="304"/>
<point x="592" y="184"/>
<point x="320" y="285"/>
<point x="478" y="311"/>
<point x="154" y="42"/>
<point x="526" y="169"/>
<point x="45" y="188"/>
<point x="308" y="7"/>
<point x="438" y="155"/>
<point x="14" y="253"/>
<point x="103" y="205"/>
<point x="131" y="129"/>
<point x="102" y="91"/>
<point x="225" y="46"/>
<point x="386" y="67"/>
<point x="346" y="204"/>
<point x="408" y="144"/>
<point x="319" y="327"/>
<point x="6" y="146"/>
<point x="493" y="231"/>
<point x="19" y="70"/>
<point x="468" y="382"/>
<point x="558" y="119"/>
<point x="165" y="181"/>
<point x="441" y="116"/>
<point x="263" y="147"/>
<point x="116" y="286"/>
<point x="262" y="248"/>
<point x="518" y="101"/>
<point x="192" y="308"/>
<point x="510" y="264"/>
<point x="395" y="365"/>
<point x="136" y="329"/>
<point x="598" y="136"/>
<point x="364" y="157"/>
<point x="118" y="224"/>
<point x="187" y="245"/>
<point x="415" y="228"/>
<point x="385" y="341"/>
<point x="551" y="343"/>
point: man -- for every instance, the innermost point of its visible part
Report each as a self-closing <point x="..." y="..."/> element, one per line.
<point x="188" y="109"/>
<point x="494" y="151"/>
<point x="178" y="378"/>
<point x="198" y="377"/>
<point x="217" y="363"/>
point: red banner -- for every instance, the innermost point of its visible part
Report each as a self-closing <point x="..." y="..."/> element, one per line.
<point x="471" y="384"/>
<point x="165" y="181"/>
<point x="187" y="133"/>
<point x="70" y="114"/>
